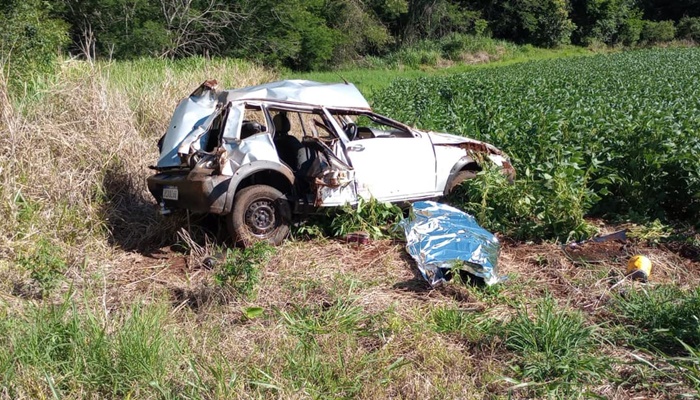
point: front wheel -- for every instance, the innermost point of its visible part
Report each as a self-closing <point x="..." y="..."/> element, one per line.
<point x="459" y="179"/>
<point x="260" y="213"/>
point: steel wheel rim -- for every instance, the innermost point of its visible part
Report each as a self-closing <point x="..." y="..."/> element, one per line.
<point x="261" y="217"/>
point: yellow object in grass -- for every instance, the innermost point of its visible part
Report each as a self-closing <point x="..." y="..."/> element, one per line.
<point x="639" y="267"/>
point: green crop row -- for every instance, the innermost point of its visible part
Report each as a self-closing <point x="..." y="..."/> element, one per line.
<point x="614" y="135"/>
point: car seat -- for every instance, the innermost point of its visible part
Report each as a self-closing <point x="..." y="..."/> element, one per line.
<point x="287" y="145"/>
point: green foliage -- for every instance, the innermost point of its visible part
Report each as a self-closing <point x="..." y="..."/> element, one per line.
<point x="422" y="53"/>
<point x="376" y="218"/>
<point x="30" y="39"/>
<point x="611" y="135"/>
<point x="631" y="30"/>
<point x="657" y="32"/>
<point x="607" y="21"/>
<point x="317" y="34"/>
<point x="240" y="270"/>
<point x="45" y="264"/>
<point x="543" y="23"/>
<point x="658" y="318"/>
<point x="689" y="28"/>
<point x="651" y="233"/>
<point x="359" y="29"/>
<point x="73" y="351"/>
<point x="434" y="19"/>
<point x="689" y="365"/>
<point x="556" y="348"/>
<point x="470" y="326"/>
<point x="532" y="207"/>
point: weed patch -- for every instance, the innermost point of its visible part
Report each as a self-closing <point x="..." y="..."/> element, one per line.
<point x="556" y="349"/>
<point x="371" y="216"/>
<point x="72" y="351"/>
<point x="662" y="318"/>
<point x="46" y="265"/>
<point x="469" y="326"/>
<point x="240" y="271"/>
<point x="377" y="219"/>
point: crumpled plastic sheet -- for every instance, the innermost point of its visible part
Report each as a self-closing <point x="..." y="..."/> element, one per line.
<point x="440" y="237"/>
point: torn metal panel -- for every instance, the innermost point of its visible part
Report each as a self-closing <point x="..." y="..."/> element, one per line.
<point x="196" y="139"/>
<point x="189" y="116"/>
<point x="463" y="142"/>
<point x="441" y="238"/>
<point x="331" y="180"/>
<point x="254" y="148"/>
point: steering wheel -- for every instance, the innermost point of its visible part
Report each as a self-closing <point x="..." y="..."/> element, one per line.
<point x="351" y="130"/>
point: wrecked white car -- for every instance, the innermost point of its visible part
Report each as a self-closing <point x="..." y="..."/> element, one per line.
<point x="257" y="155"/>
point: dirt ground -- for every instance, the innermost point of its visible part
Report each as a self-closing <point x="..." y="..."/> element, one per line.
<point x="580" y="275"/>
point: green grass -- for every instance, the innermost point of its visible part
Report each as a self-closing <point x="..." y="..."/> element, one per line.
<point x="371" y="80"/>
<point x="662" y="318"/>
<point x="556" y="349"/>
<point x="68" y="350"/>
<point x="470" y="326"/>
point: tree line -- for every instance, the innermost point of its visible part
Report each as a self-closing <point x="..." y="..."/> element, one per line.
<point x="318" y="34"/>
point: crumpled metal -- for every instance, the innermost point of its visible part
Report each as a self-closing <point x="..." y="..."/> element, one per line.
<point x="441" y="238"/>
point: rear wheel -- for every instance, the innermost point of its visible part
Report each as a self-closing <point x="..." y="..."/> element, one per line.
<point x="260" y="213"/>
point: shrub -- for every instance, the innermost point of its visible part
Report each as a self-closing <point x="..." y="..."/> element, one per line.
<point x="631" y="31"/>
<point x="241" y="268"/>
<point x="689" y="28"/>
<point x="424" y="53"/>
<point x="656" y="32"/>
<point x="535" y="206"/>
<point x="31" y="40"/>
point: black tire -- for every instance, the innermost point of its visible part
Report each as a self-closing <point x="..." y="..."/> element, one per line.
<point x="459" y="178"/>
<point x="260" y="213"/>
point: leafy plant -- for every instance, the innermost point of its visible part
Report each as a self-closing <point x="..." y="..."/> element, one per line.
<point x="45" y="264"/>
<point x="376" y="218"/>
<point x="240" y="270"/>
<point x="529" y="208"/>
<point x="653" y="232"/>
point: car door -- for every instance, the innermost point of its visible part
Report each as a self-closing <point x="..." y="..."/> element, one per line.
<point x="393" y="168"/>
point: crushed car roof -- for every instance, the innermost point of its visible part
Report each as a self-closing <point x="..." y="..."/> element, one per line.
<point x="333" y="95"/>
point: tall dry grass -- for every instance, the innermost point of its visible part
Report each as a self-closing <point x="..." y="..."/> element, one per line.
<point x="74" y="154"/>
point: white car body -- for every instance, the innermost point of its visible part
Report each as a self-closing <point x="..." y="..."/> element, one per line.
<point x="208" y="153"/>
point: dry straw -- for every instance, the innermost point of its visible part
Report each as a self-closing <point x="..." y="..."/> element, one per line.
<point x="74" y="155"/>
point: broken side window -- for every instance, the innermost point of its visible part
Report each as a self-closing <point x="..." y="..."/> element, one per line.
<point x="254" y="121"/>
